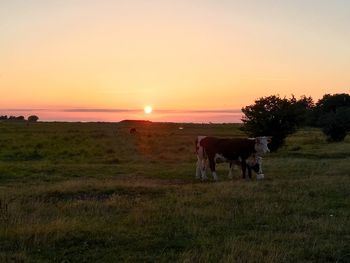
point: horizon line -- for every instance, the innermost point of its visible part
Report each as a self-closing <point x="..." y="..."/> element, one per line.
<point x="99" y="110"/>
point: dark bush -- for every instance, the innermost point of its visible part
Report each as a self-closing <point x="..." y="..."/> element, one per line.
<point x="276" y="117"/>
<point x="333" y="112"/>
<point x="33" y="118"/>
<point x="336" y="124"/>
<point x="14" y="118"/>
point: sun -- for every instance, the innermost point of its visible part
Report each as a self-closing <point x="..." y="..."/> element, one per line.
<point x="148" y="109"/>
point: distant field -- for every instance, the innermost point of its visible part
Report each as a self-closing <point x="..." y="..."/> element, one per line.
<point x="92" y="192"/>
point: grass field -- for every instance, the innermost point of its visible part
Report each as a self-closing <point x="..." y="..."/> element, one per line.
<point x="92" y="192"/>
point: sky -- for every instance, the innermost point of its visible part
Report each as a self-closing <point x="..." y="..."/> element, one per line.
<point x="193" y="60"/>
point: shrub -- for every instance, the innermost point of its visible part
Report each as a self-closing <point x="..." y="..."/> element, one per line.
<point x="33" y="118"/>
<point x="333" y="112"/>
<point x="14" y="118"/>
<point x="276" y="117"/>
<point x="336" y="124"/>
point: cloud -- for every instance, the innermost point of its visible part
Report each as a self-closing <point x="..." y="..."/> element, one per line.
<point x="24" y="110"/>
<point x="229" y="111"/>
<point x="100" y="110"/>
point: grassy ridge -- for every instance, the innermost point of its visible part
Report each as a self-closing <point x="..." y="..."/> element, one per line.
<point x="91" y="192"/>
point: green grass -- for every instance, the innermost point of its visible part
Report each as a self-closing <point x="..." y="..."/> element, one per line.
<point x="91" y="192"/>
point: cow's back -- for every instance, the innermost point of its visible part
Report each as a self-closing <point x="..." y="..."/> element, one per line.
<point x="231" y="148"/>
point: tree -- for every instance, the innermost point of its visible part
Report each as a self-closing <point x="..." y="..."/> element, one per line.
<point x="304" y="109"/>
<point x="330" y="103"/>
<point x="33" y="118"/>
<point x="333" y="115"/>
<point x="276" y="117"/>
<point x="14" y="118"/>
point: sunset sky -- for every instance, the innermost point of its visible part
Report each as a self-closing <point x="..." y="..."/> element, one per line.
<point x="191" y="60"/>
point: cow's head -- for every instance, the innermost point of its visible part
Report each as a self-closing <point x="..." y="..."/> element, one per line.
<point x="261" y="144"/>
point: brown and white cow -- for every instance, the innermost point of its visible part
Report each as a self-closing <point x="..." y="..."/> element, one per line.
<point x="245" y="151"/>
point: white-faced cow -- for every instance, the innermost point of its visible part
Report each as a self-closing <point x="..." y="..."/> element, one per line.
<point x="243" y="151"/>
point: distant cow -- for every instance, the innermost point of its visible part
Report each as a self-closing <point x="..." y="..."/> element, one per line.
<point x="133" y="131"/>
<point x="235" y="150"/>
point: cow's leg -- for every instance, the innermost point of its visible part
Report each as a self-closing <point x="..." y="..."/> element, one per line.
<point x="260" y="165"/>
<point x="203" y="166"/>
<point x="212" y="167"/>
<point x="198" y="168"/>
<point x="244" y="168"/>
<point x="230" y="172"/>
<point x="260" y="174"/>
<point x="249" y="172"/>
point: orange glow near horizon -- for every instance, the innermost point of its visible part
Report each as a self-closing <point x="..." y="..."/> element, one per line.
<point x="148" y="109"/>
<point x="185" y="56"/>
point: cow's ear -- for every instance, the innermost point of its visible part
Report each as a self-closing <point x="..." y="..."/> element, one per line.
<point x="269" y="139"/>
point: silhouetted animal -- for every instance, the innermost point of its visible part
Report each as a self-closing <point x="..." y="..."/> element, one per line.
<point x="232" y="150"/>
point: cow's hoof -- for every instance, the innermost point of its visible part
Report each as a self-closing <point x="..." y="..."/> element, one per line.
<point x="260" y="176"/>
<point x="204" y="178"/>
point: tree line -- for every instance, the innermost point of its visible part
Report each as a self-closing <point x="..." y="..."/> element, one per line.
<point x="280" y="117"/>
<point x="32" y="118"/>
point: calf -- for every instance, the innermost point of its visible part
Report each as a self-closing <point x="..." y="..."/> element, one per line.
<point x="229" y="150"/>
<point x="253" y="162"/>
